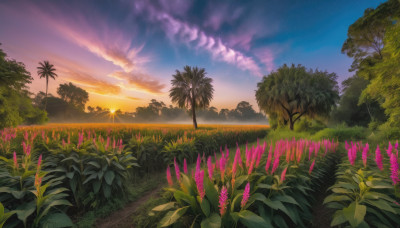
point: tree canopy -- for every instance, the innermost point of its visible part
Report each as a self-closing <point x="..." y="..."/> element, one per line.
<point x="73" y="95"/>
<point x="291" y="92"/>
<point x="15" y="102"/>
<point x="191" y="89"/>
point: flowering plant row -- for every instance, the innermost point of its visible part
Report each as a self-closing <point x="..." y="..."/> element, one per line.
<point x="253" y="188"/>
<point x="366" y="193"/>
<point x="85" y="166"/>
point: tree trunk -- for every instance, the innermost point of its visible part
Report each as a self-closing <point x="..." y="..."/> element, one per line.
<point x="291" y="123"/>
<point x="47" y="85"/>
<point x="194" y="111"/>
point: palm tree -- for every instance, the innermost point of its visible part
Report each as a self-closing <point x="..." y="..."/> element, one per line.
<point x="46" y="70"/>
<point x="191" y="89"/>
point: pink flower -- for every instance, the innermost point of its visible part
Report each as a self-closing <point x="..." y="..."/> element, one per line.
<point x="198" y="163"/>
<point x="364" y="154"/>
<point x="185" y="166"/>
<point x="275" y="165"/>
<point x="199" y="179"/>
<point x="378" y="158"/>
<point x="169" y="178"/>
<point x="177" y="170"/>
<point x="15" y="160"/>
<point x="394" y="168"/>
<point x="223" y="200"/>
<point x="39" y="162"/>
<point x="311" y="167"/>
<point x="210" y="168"/>
<point x="269" y="159"/>
<point x="283" y="175"/>
<point x="246" y="195"/>
<point x="389" y="150"/>
<point x="222" y="168"/>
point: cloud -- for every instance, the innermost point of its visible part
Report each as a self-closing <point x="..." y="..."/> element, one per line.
<point x="133" y="98"/>
<point x="90" y="83"/>
<point x="95" y="34"/>
<point x="179" y="30"/>
<point x="267" y="57"/>
<point x="139" y="80"/>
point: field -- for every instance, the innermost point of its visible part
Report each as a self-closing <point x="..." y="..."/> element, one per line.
<point x="217" y="176"/>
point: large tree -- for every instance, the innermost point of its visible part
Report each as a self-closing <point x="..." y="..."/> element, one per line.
<point x="15" y="102"/>
<point x="46" y="70"/>
<point x="73" y="95"/>
<point x="191" y="89"/>
<point x="293" y="92"/>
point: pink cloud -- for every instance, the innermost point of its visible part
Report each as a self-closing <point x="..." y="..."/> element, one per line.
<point x="139" y="80"/>
<point x="266" y="56"/>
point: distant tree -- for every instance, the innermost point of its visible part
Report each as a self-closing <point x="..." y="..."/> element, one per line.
<point x="350" y="111"/>
<point x="191" y="89"/>
<point x="90" y="109"/>
<point x="73" y="95"/>
<point x="46" y="70"/>
<point x="293" y="92"/>
<point x="223" y="114"/>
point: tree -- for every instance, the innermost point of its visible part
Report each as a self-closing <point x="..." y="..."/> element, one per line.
<point x="73" y="95"/>
<point x="350" y="110"/>
<point x="191" y="89"/>
<point x="293" y="92"/>
<point x="15" y="102"/>
<point x="46" y="70"/>
<point x="385" y="86"/>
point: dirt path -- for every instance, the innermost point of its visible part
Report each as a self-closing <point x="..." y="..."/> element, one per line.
<point x="121" y="218"/>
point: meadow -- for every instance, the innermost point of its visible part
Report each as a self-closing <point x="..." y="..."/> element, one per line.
<point x="63" y="175"/>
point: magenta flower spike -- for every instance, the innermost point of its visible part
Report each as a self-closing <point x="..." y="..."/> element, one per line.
<point x="169" y="177"/>
<point x="239" y="154"/>
<point x="311" y="167"/>
<point x="394" y="168"/>
<point x="39" y="162"/>
<point x="198" y="163"/>
<point x="177" y="170"/>
<point x="283" y="174"/>
<point x="275" y="165"/>
<point x="210" y="168"/>
<point x="378" y="158"/>
<point x="223" y="201"/>
<point x="389" y="150"/>
<point x="269" y="159"/>
<point x="246" y="195"/>
<point x="185" y="166"/>
<point x="364" y="154"/>
<point x="222" y="168"/>
<point x="199" y="179"/>
<point x="15" y="160"/>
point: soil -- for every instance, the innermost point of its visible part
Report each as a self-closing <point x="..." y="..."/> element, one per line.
<point x="122" y="218"/>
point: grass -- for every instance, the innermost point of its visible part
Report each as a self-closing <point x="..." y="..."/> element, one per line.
<point x="135" y="191"/>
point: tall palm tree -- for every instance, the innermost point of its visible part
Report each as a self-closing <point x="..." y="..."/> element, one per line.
<point x="191" y="89"/>
<point x="46" y="70"/>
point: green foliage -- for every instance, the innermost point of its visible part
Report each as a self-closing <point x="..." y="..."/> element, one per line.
<point x="362" y="198"/>
<point x="15" y="103"/>
<point x="4" y="215"/>
<point x="293" y="92"/>
<point x="73" y="95"/>
<point x="342" y="133"/>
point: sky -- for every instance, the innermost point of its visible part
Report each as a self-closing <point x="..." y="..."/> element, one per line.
<point x="124" y="52"/>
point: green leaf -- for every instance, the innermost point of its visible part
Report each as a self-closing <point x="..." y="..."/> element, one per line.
<point x="56" y="220"/>
<point x="164" y="207"/>
<point x="338" y="218"/>
<point x="249" y="219"/>
<point x="109" y="177"/>
<point x="172" y="216"/>
<point x="214" y="221"/>
<point x="25" y="210"/>
<point x="355" y="213"/>
<point x="381" y="204"/>
<point x="211" y="193"/>
<point x="205" y="206"/>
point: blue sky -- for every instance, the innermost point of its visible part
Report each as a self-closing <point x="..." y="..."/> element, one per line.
<point x="125" y="52"/>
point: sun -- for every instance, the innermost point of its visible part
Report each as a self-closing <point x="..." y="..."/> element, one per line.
<point x="112" y="111"/>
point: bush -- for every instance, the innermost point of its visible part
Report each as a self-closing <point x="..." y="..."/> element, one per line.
<point x="342" y="133"/>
